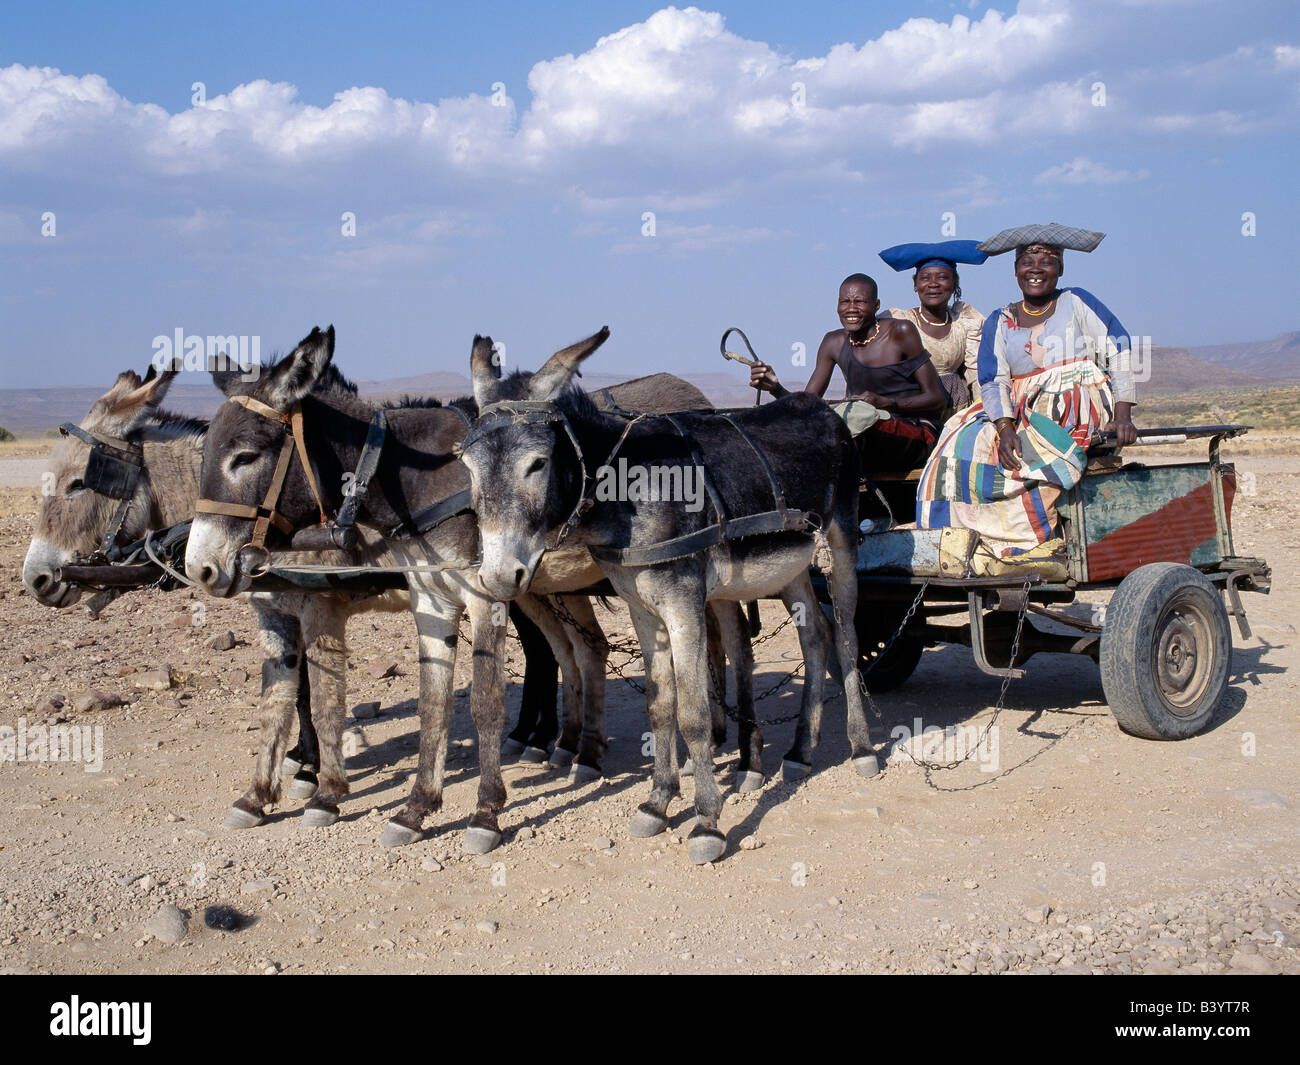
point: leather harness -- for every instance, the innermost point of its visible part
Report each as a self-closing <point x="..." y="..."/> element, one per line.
<point x="253" y="556"/>
<point x="780" y="519"/>
<point x="113" y="469"/>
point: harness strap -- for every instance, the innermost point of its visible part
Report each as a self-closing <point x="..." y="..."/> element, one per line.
<point x="710" y="536"/>
<point x="118" y="444"/>
<point x="778" y="495"/>
<point x="430" y="517"/>
<point x="128" y="453"/>
<point x="367" y="465"/>
<point x="265" y="515"/>
<point x="715" y="497"/>
<point x="295" y="424"/>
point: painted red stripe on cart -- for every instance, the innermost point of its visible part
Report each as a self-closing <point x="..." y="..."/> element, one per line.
<point x="1169" y="534"/>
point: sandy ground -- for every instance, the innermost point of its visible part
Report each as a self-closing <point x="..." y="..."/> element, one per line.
<point x="1078" y="849"/>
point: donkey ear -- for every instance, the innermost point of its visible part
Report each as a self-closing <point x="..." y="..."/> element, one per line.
<point x="126" y="382"/>
<point x="557" y="374"/>
<point x="297" y="375"/>
<point x="131" y="406"/>
<point x="484" y="370"/>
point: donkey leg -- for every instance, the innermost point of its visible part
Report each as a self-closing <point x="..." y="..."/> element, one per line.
<point x="685" y="623"/>
<point x="651" y="817"/>
<point x="717" y="661"/>
<point x="280" y="642"/>
<point x="814" y="635"/>
<point x="560" y="649"/>
<point x="537" y="725"/>
<point x="487" y="707"/>
<point x="302" y="759"/>
<point x="843" y="584"/>
<point x="716" y="619"/>
<point x="590" y="653"/>
<point x="734" y="630"/>
<point x="324" y="624"/>
<point x="436" y="623"/>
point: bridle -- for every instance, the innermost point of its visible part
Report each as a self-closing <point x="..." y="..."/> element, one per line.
<point x="113" y="469"/>
<point x="499" y="415"/>
<point x="254" y="559"/>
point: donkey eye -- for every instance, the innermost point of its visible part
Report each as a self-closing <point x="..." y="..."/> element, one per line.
<point x="243" y="458"/>
<point x="74" y="486"/>
<point x="536" y="466"/>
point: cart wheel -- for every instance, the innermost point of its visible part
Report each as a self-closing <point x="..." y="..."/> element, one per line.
<point x="875" y="626"/>
<point x="1165" y="651"/>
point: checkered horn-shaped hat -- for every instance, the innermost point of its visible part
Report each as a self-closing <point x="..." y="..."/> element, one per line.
<point x="1053" y="233"/>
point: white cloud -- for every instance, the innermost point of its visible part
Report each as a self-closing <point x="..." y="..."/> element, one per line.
<point x="1287" y="56"/>
<point x="1083" y="171"/>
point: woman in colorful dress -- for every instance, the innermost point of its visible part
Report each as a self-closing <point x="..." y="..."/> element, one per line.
<point x="949" y="327"/>
<point x="1054" y="368"/>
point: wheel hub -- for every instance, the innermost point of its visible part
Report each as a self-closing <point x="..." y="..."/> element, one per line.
<point x="1179" y="663"/>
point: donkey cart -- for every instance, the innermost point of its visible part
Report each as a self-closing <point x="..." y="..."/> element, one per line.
<point x="1158" y="536"/>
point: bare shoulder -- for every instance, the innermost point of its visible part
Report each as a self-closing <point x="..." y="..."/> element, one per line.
<point x="900" y="328"/>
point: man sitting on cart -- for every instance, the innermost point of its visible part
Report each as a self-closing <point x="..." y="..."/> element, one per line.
<point x="893" y="397"/>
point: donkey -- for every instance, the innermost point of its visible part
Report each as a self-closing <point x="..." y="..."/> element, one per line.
<point x="300" y="632"/>
<point x="416" y="468"/>
<point x="531" y="466"/>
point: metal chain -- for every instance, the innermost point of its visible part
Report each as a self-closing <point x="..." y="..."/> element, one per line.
<point x="929" y="766"/>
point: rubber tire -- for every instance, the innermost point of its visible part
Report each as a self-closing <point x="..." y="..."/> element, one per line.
<point x="1136" y="622"/>
<point x="876" y="626"/>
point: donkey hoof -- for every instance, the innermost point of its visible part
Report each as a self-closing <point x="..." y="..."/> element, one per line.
<point x="290" y="766"/>
<point x="533" y="755"/>
<point x="646" y="823"/>
<point x="302" y="787"/>
<point x="240" y="818"/>
<point x="868" y="765"/>
<point x="480" y="840"/>
<point x="688" y="767"/>
<point x="397" y="835"/>
<point x="583" y="774"/>
<point x="749" y="780"/>
<point x="511" y="750"/>
<point x="561" y="759"/>
<point x="704" y="846"/>
<point x="791" y="770"/>
<point x="318" y="817"/>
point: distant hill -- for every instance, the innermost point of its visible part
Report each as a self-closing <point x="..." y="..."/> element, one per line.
<point x="1277" y="359"/>
<point x="1250" y="365"/>
<point x="1180" y="370"/>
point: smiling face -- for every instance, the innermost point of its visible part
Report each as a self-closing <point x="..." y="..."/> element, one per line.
<point x="1038" y="269"/>
<point x="858" y="304"/>
<point x="935" y="285"/>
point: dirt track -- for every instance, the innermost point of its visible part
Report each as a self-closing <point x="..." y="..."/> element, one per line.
<point x="1086" y="850"/>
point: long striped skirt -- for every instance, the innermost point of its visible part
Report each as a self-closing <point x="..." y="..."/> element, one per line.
<point x="1056" y="409"/>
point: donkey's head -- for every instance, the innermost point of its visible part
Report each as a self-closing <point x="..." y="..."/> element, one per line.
<point x="241" y="456"/>
<point x="83" y="492"/>
<point x="525" y="475"/>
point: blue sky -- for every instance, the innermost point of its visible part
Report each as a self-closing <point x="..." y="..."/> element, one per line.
<point x="525" y="220"/>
